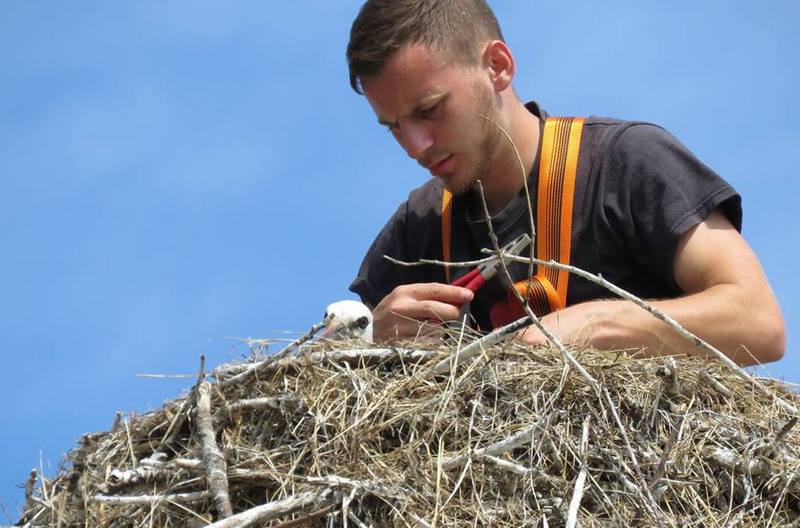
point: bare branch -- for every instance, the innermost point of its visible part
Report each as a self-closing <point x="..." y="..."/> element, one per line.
<point x="476" y="347"/>
<point x="120" y="500"/>
<point x="213" y="459"/>
<point x="446" y="264"/>
<point x="254" y="369"/>
<point x="519" y="439"/>
<point x="577" y="494"/>
<point x="528" y="201"/>
<point x="276" y="509"/>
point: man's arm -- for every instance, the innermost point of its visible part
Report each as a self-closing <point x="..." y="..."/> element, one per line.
<point x="728" y="302"/>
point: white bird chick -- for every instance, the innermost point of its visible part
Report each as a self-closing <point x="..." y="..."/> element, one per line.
<point x="348" y="320"/>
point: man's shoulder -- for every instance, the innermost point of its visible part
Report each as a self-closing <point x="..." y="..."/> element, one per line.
<point x="602" y="132"/>
<point x="612" y="130"/>
<point x="627" y="140"/>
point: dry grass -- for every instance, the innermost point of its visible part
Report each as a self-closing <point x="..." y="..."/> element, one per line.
<point x="365" y="438"/>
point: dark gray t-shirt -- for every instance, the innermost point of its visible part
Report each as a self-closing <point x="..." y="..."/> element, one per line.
<point x="637" y="191"/>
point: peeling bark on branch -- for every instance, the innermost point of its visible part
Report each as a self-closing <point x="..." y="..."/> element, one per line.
<point x="213" y="459"/>
<point x="276" y="509"/>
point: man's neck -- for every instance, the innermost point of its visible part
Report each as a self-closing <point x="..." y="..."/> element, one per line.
<point x="511" y="167"/>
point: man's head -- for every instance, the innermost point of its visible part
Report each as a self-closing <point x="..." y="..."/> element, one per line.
<point x="455" y="28"/>
<point x="438" y="74"/>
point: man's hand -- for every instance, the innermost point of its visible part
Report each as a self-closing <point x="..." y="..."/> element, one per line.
<point x="404" y="311"/>
<point x="571" y="326"/>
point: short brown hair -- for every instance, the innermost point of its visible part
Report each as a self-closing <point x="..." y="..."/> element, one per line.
<point x="383" y="27"/>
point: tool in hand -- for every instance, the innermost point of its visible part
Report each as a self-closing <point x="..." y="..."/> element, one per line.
<point x="475" y="279"/>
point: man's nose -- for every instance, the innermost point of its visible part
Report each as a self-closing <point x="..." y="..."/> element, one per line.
<point x="415" y="138"/>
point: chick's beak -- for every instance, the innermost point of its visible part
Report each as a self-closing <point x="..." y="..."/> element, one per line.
<point x="331" y="327"/>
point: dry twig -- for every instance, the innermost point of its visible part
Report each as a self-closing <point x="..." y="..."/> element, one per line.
<point x="213" y="459"/>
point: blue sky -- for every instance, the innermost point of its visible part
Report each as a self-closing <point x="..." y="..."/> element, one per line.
<point x="173" y="174"/>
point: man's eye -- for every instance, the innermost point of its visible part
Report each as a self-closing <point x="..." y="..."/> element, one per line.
<point x="430" y="111"/>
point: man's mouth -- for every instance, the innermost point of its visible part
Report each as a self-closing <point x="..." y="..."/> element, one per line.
<point x="440" y="166"/>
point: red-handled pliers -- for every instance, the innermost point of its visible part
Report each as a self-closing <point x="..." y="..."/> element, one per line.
<point x="476" y="278"/>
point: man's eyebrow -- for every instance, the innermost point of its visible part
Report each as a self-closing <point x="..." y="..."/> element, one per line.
<point x="422" y="104"/>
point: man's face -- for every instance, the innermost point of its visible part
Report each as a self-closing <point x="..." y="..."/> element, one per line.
<point x="433" y="108"/>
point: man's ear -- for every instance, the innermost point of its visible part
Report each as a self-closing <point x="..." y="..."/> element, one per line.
<point x="499" y="62"/>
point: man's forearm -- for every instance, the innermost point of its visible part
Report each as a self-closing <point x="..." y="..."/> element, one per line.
<point x="748" y="330"/>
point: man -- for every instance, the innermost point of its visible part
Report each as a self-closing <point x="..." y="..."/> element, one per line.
<point x="646" y="214"/>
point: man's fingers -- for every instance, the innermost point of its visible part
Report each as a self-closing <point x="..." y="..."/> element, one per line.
<point x="434" y="291"/>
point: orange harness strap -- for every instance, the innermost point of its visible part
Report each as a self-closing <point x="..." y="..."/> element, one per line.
<point x="447" y="222"/>
<point x="558" y="166"/>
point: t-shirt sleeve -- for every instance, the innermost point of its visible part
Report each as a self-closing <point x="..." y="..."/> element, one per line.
<point x="377" y="276"/>
<point x="662" y="190"/>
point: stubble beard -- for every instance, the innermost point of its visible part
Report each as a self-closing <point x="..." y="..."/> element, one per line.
<point x="488" y="152"/>
<point x="490" y="137"/>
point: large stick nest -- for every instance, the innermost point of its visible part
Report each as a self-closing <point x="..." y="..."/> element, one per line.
<point x="370" y="437"/>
